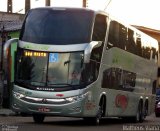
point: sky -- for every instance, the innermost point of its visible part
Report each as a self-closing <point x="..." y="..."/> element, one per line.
<point x="135" y="12"/>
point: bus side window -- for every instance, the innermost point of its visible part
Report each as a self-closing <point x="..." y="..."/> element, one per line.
<point x="138" y="44"/>
<point x="106" y="81"/>
<point x="100" y="26"/>
<point x="117" y="35"/>
<point x="131" y="45"/>
<point x="111" y="78"/>
<point x="113" y="34"/>
<point x="153" y="53"/>
<point x="122" y="36"/>
<point x="115" y="78"/>
<point x="154" y="86"/>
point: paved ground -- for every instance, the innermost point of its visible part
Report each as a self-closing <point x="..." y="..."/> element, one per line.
<point x="6" y="112"/>
<point x="17" y="123"/>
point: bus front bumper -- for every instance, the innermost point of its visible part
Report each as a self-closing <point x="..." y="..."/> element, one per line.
<point x="73" y="108"/>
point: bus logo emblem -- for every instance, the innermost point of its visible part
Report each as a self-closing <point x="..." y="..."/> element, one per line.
<point x="44" y="100"/>
<point x="121" y="101"/>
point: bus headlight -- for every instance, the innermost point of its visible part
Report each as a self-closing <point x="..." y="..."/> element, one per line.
<point x="76" y="98"/>
<point x="18" y="95"/>
<point x="71" y="99"/>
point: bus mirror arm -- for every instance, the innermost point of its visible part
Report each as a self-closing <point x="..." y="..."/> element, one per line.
<point x="6" y="53"/>
<point x="7" y="45"/>
<point x="88" y="50"/>
<point x="87" y="58"/>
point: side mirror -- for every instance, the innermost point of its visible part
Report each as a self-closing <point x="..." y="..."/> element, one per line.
<point x="6" y="47"/>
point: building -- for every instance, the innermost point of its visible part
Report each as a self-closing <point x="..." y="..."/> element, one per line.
<point x="152" y="32"/>
<point x="10" y="25"/>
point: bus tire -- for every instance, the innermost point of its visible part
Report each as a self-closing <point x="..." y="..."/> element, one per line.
<point x="146" y="108"/>
<point x="139" y="114"/>
<point x="141" y="119"/>
<point x="38" y="118"/>
<point x="101" y="111"/>
<point x="96" y="120"/>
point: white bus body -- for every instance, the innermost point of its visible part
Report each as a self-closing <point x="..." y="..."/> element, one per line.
<point x="103" y="68"/>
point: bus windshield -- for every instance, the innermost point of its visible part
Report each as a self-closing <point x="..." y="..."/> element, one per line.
<point x="40" y="69"/>
<point x="59" y="27"/>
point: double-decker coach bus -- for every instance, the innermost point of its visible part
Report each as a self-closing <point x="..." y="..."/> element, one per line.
<point x="82" y="63"/>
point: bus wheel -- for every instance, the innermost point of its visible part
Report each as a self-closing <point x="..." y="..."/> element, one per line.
<point x="146" y="109"/>
<point x="141" y="119"/>
<point x="101" y="111"/>
<point x="38" y="118"/>
<point x="98" y="117"/>
<point x="139" y="115"/>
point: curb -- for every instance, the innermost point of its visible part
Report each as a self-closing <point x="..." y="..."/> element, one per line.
<point x="7" y="112"/>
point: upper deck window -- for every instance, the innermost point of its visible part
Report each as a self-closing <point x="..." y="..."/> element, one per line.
<point x="59" y="27"/>
<point x="100" y="27"/>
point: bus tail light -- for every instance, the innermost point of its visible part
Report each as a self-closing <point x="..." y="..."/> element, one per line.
<point x="158" y="105"/>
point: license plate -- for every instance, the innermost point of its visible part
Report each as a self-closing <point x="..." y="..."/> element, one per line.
<point x="43" y="109"/>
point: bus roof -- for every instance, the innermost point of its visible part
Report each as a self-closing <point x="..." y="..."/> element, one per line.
<point x="127" y="25"/>
<point x="98" y="12"/>
<point x="63" y="8"/>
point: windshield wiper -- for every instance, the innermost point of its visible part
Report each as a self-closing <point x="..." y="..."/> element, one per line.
<point x="67" y="62"/>
<point x="28" y="82"/>
<point x="23" y="81"/>
<point x="61" y="84"/>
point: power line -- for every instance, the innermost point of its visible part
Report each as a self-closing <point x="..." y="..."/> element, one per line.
<point x="107" y="5"/>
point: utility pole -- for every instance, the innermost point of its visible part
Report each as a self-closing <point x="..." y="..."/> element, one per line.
<point x="85" y="3"/>
<point x="27" y="5"/>
<point x="48" y="2"/>
<point x="9" y="6"/>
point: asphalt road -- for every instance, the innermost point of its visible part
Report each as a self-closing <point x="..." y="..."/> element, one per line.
<point x="14" y="123"/>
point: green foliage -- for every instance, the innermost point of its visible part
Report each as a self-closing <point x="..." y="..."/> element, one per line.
<point x="14" y="34"/>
